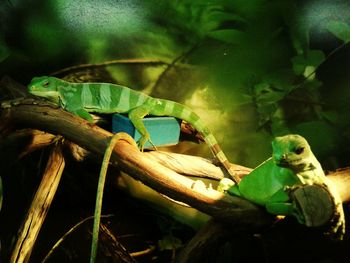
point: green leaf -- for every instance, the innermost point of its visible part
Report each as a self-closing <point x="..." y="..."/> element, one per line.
<point x="340" y="29"/>
<point x="315" y="58"/>
<point x="298" y="64"/>
<point x="266" y="94"/>
<point x="330" y="116"/>
<point x="169" y="243"/>
<point x="230" y="36"/>
<point x="302" y="65"/>
<point x="282" y="79"/>
<point x="221" y="16"/>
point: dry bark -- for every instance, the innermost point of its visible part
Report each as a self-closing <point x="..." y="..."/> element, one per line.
<point x="39" y="207"/>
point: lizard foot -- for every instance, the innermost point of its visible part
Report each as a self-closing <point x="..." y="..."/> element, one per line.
<point x="337" y="224"/>
<point x="155" y="148"/>
<point x="141" y="143"/>
<point x="143" y="140"/>
<point x="225" y="184"/>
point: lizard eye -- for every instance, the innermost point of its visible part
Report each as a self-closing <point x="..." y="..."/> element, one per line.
<point x="299" y="150"/>
<point x="46" y="84"/>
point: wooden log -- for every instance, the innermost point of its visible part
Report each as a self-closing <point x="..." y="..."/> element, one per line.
<point x="315" y="203"/>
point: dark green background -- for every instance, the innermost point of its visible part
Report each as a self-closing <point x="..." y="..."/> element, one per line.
<point x="243" y="63"/>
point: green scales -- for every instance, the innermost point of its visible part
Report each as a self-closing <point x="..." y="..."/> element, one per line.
<point x="164" y="131"/>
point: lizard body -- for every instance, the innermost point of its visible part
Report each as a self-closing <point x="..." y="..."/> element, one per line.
<point x="82" y="98"/>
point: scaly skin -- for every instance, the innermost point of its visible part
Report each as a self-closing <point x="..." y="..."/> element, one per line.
<point x="292" y="164"/>
<point x="82" y="98"/>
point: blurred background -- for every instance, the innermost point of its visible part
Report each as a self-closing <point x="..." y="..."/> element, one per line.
<point x="251" y="69"/>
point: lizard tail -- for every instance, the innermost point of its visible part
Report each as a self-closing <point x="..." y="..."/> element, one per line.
<point x="182" y="112"/>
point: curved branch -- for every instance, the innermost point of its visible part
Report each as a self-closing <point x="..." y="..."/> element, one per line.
<point x="160" y="171"/>
<point x="39" y="207"/>
<point x="135" y="61"/>
<point x="46" y="117"/>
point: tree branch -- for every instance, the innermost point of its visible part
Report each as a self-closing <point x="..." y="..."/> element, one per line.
<point x="44" y="116"/>
<point x="160" y="171"/>
<point x="39" y="207"/>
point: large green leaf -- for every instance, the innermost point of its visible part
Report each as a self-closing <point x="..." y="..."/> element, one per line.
<point x="340" y="29"/>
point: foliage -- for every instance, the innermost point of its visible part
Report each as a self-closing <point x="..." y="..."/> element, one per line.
<point x="340" y="29"/>
<point x="250" y="62"/>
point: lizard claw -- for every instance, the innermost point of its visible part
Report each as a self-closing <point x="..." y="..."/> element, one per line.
<point x="225" y="184"/>
<point x="143" y="140"/>
<point x="140" y="146"/>
<point x="155" y="148"/>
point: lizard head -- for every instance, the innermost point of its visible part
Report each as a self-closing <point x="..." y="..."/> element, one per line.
<point x="46" y="87"/>
<point x="292" y="151"/>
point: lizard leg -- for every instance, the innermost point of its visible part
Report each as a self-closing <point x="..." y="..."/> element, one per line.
<point x="136" y="115"/>
<point x="81" y="113"/>
<point x="280" y="204"/>
<point x="100" y="187"/>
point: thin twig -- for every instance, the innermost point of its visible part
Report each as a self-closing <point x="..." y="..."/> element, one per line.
<point x="172" y="64"/>
<point x="60" y="241"/>
<point x="135" y="61"/>
<point x="334" y="51"/>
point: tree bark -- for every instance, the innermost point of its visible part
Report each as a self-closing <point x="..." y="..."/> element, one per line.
<point x="39" y="207"/>
<point x="160" y="171"/>
<point x="46" y="117"/>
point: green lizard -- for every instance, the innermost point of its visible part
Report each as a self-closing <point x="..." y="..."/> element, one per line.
<point x="292" y="163"/>
<point x="82" y="98"/>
